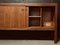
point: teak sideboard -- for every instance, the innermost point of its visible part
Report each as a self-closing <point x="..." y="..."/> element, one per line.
<point x="29" y="16"/>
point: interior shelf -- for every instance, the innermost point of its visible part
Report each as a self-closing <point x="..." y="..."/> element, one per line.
<point x="41" y="28"/>
<point x="35" y="16"/>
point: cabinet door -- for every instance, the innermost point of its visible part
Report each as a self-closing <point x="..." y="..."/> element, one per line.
<point x="12" y="17"/>
<point x="6" y="15"/>
<point x="20" y="20"/>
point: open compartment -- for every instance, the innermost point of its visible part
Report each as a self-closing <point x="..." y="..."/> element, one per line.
<point x="35" y="15"/>
<point x="48" y="16"/>
<point x="34" y="22"/>
<point x="34" y="11"/>
<point x="43" y="16"/>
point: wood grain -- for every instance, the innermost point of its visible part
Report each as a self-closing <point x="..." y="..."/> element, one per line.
<point x="28" y="4"/>
<point x="12" y="17"/>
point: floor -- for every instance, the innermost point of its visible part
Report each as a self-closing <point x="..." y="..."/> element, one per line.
<point x="27" y="42"/>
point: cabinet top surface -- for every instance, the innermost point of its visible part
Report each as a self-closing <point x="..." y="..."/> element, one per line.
<point x="28" y="4"/>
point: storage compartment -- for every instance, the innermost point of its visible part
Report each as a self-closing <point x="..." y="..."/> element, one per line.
<point x="34" y="21"/>
<point x="34" y="11"/>
<point x="35" y="16"/>
<point x="42" y="16"/>
<point x="48" y="16"/>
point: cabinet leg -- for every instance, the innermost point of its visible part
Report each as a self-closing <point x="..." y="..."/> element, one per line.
<point x="55" y="36"/>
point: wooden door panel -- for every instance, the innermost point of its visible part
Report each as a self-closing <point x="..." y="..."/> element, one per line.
<point x="20" y="17"/>
<point x="7" y="16"/>
<point x="23" y="17"/>
<point x="17" y="17"/>
<point x="1" y="17"/>
<point x="12" y="17"/>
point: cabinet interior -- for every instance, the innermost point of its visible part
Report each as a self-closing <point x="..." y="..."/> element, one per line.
<point x="41" y="16"/>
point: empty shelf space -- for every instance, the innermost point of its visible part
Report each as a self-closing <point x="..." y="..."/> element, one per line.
<point x="34" y="11"/>
<point x="34" y="22"/>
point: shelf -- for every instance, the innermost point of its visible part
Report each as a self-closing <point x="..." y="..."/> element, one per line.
<point x="41" y="28"/>
<point x="37" y="28"/>
<point x="35" y="16"/>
